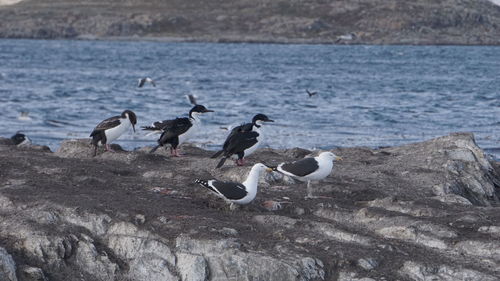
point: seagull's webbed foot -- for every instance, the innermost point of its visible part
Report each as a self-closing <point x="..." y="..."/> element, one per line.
<point x="240" y="162"/>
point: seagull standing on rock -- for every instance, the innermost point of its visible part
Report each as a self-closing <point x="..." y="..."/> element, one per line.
<point x="234" y="192"/>
<point x="112" y="128"/>
<point x="178" y="130"/>
<point x="309" y="169"/>
<point x="248" y="147"/>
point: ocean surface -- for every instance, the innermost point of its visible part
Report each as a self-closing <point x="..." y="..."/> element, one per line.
<point x="366" y="95"/>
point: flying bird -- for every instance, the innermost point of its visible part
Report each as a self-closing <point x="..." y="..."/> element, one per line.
<point x="311" y="93"/>
<point x="143" y="81"/>
<point x="112" y="128"/>
<point x="234" y="192"/>
<point x="192" y="99"/>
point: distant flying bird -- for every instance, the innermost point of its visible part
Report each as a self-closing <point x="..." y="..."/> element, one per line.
<point x="192" y="99"/>
<point x="112" y="128"/>
<point x="24" y="116"/>
<point x="311" y="93"/>
<point x="143" y="81"/>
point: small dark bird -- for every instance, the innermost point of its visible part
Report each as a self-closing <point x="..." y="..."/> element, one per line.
<point x="311" y="93"/>
<point x="112" y="128"/>
<point x="191" y="99"/>
<point x="20" y="139"/>
<point x="178" y="130"/>
<point x="257" y="122"/>
<point x="143" y="81"/>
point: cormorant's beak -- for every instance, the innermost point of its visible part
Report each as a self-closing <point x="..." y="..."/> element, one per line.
<point x="269" y="120"/>
<point x="338" y="158"/>
<point x="208" y="110"/>
<point x="133" y="127"/>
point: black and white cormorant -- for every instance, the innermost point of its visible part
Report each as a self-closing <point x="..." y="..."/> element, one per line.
<point x="20" y="139"/>
<point x="112" y="128"/>
<point x="255" y="126"/>
<point x="178" y="130"/>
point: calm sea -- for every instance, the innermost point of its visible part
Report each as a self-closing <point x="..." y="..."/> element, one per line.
<point x="366" y="95"/>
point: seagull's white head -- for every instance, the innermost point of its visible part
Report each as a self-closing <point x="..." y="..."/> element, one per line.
<point x="261" y="167"/>
<point x="329" y="156"/>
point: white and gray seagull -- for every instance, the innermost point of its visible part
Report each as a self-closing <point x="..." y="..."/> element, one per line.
<point x="234" y="192"/>
<point x="309" y="169"/>
<point x="143" y="81"/>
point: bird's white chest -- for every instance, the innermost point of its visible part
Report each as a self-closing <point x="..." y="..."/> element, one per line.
<point x="115" y="132"/>
<point x="191" y="131"/>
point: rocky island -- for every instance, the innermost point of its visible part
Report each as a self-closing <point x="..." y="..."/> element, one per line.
<point x="423" y="211"/>
<point x="461" y="22"/>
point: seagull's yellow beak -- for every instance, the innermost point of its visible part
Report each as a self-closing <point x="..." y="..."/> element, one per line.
<point x="338" y="158"/>
<point x="269" y="170"/>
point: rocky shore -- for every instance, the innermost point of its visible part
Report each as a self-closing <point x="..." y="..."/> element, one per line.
<point x="424" y="211"/>
<point x="460" y="22"/>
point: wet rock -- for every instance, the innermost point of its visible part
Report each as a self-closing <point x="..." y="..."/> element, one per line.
<point x="7" y="266"/>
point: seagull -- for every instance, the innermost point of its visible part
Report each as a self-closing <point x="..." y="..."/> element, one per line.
<point x="178" y="130"/>
<point x="143" y="81"/>
<point x="311" y="93"/>
<point x="255" y="126"/>
<point x="237" y="143"/>
<point x="192" y="99"/>
<point x="309" y="169"/>
<point x="112" y="128"/>
<point x="20" y="139"/>
<point x="24" y="116"/>
<point x="234" y="192"/>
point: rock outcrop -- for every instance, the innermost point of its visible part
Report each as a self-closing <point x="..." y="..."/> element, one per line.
<point x="422" y="211"/>
<point x="461" y="22"/>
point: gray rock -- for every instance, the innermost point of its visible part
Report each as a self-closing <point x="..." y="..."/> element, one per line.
<point x="367" y="263"/>
<point x="421" y="272"/>
<point x="7" y="266"/>
<point x="30" y="273"/>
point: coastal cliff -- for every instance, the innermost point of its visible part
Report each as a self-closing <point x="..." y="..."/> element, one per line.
<point x="470" y="22"/>
<point x="421" y="211"/>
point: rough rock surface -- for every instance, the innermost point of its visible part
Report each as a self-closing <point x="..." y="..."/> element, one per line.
<point x="312" y="21"/>
<point x="424" y="211"/>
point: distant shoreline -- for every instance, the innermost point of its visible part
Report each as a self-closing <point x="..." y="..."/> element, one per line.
<point x="280" y="41"/>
